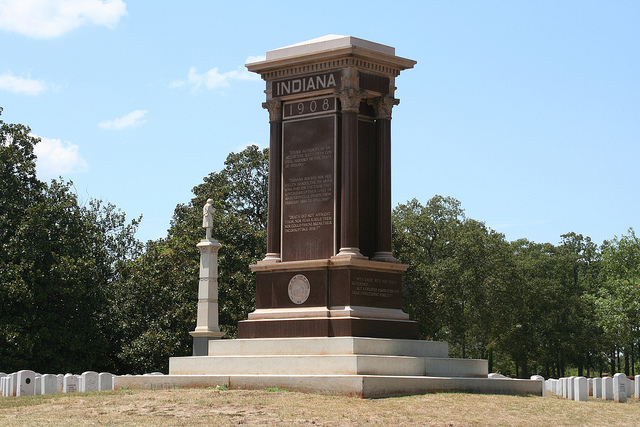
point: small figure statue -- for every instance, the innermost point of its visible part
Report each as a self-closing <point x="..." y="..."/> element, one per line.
<point x="207" y="217"/>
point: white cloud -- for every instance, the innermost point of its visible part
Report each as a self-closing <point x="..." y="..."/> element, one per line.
<point x="44" y="19"/>
<point x="134" y="118"/>
<point x="214" y="79"/>
<point x="258" y="58"/>
<point x="21" y="85"/>
<point x="57" y="158"/>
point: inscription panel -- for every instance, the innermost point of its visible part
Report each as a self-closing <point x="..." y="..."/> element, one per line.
<point x="308" y="107"/>
<point x="306" y="84"/>
<point x="308" y="188"/>
<point x="376" y="289"/>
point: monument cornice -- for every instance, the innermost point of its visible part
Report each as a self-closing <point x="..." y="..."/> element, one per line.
<point x="333" y="263"/>
<point x="363" y="59"/>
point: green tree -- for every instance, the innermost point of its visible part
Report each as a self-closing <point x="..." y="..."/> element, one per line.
<point x="617" y="301"/>
<point x="56" y="260"/>
<point x="455" y="264"/>
<point x="154" y="305"/>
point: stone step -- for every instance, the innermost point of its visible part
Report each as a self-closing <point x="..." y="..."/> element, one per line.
<point x="329" y="346"/>
<point x="349" y="364"/>
<point x="350" y="385"/>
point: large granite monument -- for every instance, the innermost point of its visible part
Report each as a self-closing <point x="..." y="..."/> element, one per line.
<point x="329" y="270"/>
<point x="328" y="315"/>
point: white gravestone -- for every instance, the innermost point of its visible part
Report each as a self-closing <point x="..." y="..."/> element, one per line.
<point x="619" y="388"/>
<point x="597" y="388"/>
<point x="70" y="384"/>
<point x="90" y="381"/>
<point x="3" y="386"/>
<point x="13" y="384"/>
<point x="636" y="386"/>
<point x="37" y="387"/>
<point x="26" y="383"/>
<point x="542" y="383"/>
<point x="571" y="388"/>
<point x="580" y="389"/>
<point x="630" y="385"/>
<point x="49" y="384"/>
<point x="60" y="382"/>
<point x="105" y="381"/>
<point x="607" y="388"/>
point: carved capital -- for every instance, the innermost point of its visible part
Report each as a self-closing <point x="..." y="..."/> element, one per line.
<point x="350" y="98"/>
<point x="208" y="249"/>
<point x="275" y="110"/>
<point x="383" y="106"/>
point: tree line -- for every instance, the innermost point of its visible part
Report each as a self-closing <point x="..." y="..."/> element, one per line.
<point x="79" y="292"/>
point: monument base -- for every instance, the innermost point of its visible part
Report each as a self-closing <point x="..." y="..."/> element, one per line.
<point x="363" y="367"/>
<point x="338" y="297"/>
<point x="328" y="327"/>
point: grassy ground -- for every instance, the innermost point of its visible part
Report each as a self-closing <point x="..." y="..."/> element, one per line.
<point x="187" y="407"/>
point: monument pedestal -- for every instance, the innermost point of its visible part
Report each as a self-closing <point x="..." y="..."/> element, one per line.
<point x="337" y="297"/>
<point x="351" y="366"/>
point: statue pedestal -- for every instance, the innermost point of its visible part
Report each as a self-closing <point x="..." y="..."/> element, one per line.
<point x="207" y="322"/>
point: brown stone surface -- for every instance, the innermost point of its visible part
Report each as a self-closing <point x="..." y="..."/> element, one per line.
<point x="308" y="211"/>
<point x="328" y="327"/>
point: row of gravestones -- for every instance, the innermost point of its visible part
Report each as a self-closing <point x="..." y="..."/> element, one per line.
<point x="617" y="388"/>
<point x="29" y="383"/>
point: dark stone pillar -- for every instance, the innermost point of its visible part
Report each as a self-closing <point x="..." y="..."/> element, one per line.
<point x="275" y="174"/>
<point x="383" y="106"/>
<point x="349" y="235"/>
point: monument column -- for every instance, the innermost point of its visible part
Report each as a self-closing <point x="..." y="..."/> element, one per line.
<point x="329" y="158"/>
<point x="207" y="327"/>
<point x="349" y="213"/>
<point x="383" y="107"/>
<point x="275" y="183"/>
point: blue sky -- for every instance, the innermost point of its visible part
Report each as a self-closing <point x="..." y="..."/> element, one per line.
<point x="526" y="112"/>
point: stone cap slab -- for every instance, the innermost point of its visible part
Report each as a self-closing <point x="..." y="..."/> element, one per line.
<point x="328" y="42"/>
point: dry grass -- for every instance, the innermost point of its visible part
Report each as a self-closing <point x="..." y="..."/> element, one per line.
<point x="187" y="407"/>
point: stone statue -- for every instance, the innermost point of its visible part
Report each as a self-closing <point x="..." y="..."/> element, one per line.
<point x="207" y="217"/>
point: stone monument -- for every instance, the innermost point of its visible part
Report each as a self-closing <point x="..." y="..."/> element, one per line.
<point x="328" y="315"/>
<point x="329" y="270"/>
<point x="207" y="321"/>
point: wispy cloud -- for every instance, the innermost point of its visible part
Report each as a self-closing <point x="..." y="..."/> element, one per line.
<point x="134" y="118"/>
<point x="214" y="79"/>
<point x="56" y="158"/>
<point x="24" y="85"/>
<point x="43" y="19"/>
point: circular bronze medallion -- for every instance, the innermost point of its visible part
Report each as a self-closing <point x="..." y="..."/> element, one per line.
<point x="299" y="289"/>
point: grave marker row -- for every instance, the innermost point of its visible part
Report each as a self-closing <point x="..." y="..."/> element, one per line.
<point x="29" y="383"/>
<point x="617" y="388"/>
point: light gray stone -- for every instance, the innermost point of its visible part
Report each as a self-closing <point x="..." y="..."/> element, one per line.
<point x="619" y="388"/>
<point x="60" y="382"/>
<point x="542" y="383"/>
<point x="90" y="381"/>
<point x="49" y="384"/>
<point x="597" y="388"/>
<point x="37" y="389"/>
<point x="571" y="388"/>
<point x="607" y="388"/>
<point x="105" y="381"/>
<point x="70" y="384"/>
<point x="630" y="386"/>
<point x="580" y="389"/>
<point x="26" y="380"/>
